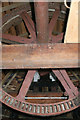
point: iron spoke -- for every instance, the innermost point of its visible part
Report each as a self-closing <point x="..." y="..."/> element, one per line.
<point x="17" y="39"/>
<point x="26" y="84"/>
<point x="29" y="24"/>
<point x="53" y="21"/>
<point x="56" y="39"/>
<point x="63" y="82"/>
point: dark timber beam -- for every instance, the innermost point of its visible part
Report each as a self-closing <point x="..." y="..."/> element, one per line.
<point x="40" y="56"/>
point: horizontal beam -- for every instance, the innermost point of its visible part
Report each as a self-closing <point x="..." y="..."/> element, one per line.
<point x="59" y="55"/>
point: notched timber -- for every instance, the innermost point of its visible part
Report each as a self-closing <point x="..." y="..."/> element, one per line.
<point x="34" y="56"/>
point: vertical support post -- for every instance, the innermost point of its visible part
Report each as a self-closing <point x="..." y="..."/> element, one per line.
<point x="41" y="14"/>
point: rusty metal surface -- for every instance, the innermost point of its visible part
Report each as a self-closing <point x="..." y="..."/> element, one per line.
<point x="39" y="109"/>
<point x="40" y="56"/>
<point x="41" y="14"/>
<point x="67" y="84"/>
<point x="43" y="29"/>
<point x="15" y="12"/>
<point x="25" y="86"/>
<point x="29" y="24"/>
<point x="17" y="39"/>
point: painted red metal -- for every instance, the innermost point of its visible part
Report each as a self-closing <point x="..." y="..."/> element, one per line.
<point x="56" y="39"/>
<point x="65" y="81"/>
<point x="18" y="103"/>
<point x="61" y="79"/>
<point x="41" y="14"/>
<point x="25" y="86"/>
<point x="52" y="38"/>
<point x="29" y="24"/>
<point x="53" y="22"/>
<point x="44" y="30"/>
<point x="17" y="39"/>
<point x="28" y="18"/>
<point x="69" y="82"/>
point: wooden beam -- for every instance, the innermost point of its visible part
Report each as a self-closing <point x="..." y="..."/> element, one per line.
<point x="73" y="27"/>
<point x="13" y="6"/>
<point x="59" y="55"/>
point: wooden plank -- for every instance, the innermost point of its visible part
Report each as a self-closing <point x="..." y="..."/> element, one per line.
<point x="8" y="83"/>
<point x="6" y="77"/>
<point x="72" y="30"/>
<point x="12" y="29"/>
<point x="41" y="56"/>
<point x="12" y="6"/>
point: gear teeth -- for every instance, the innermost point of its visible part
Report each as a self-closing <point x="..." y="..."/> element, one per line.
<point x="55" y="108"/>
<point x="26" y="108"/>
<point x="19" y="104"/>
<point x="71" y="104"/>
<point x="30" y="108"/>
<point x="12" y="101"/>
<point x="23" y="106"/>
<point x="63" y="107"/>
<point x="8" y="100"/>
<point x="38" y="109"/>
<point x="5" y="98"/>
<point x="67" y="106"/>
<point x="59" y="107"/>
<point x="34" y="109"/>
<point x="51" y="109"/>
<point x="15" y="103"/>
<point x="47" y="109"/>
<point x="43" y="110"/>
